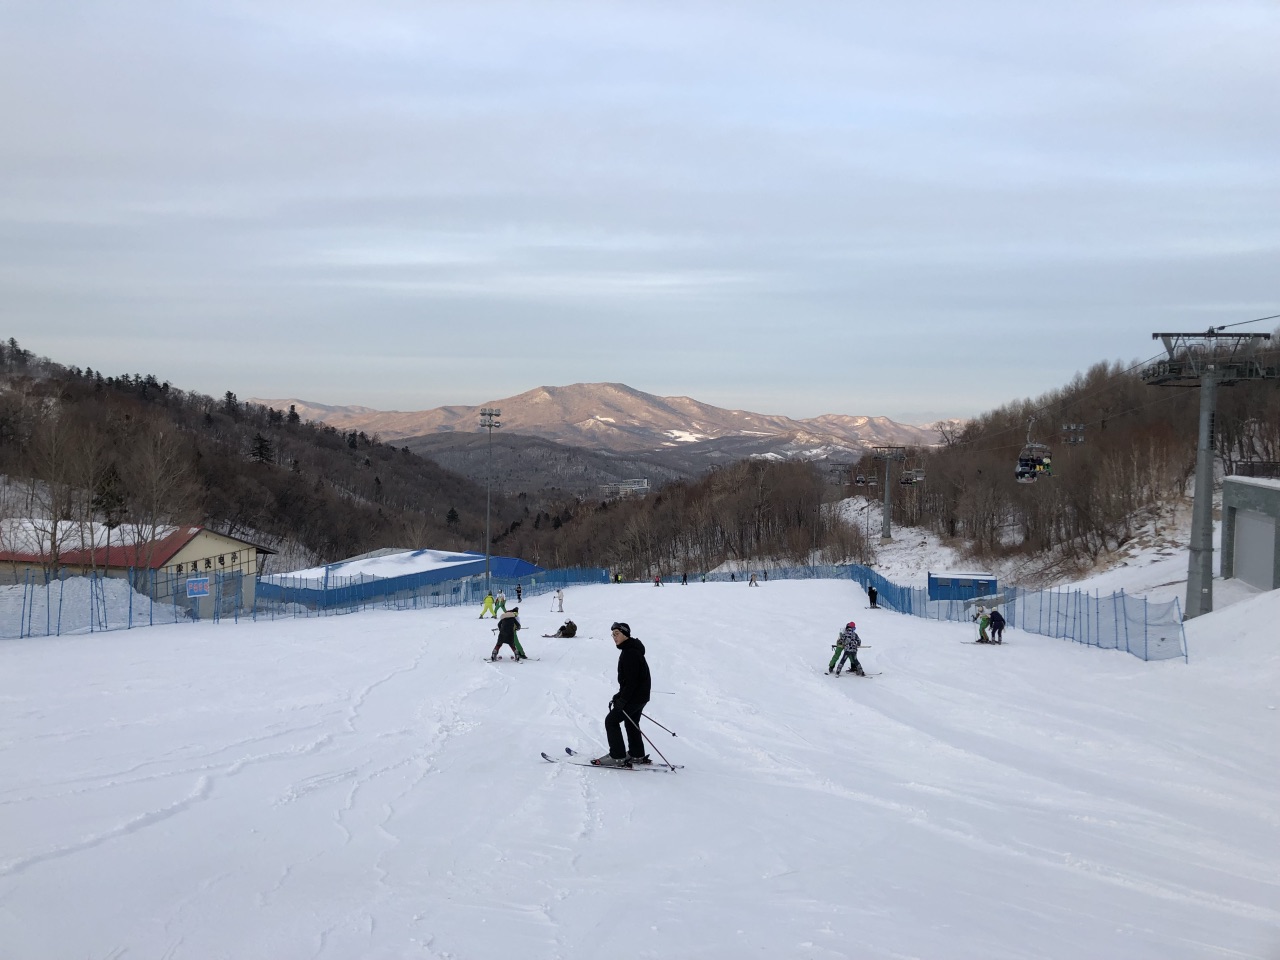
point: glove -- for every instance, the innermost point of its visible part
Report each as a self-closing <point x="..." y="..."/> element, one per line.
<point x="611" y="706"/>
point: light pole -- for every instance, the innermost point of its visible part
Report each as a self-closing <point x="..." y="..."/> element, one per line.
<point x="488" y="421"/>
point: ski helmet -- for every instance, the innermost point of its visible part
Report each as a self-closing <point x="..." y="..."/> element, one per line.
<point x="851" y="625"/>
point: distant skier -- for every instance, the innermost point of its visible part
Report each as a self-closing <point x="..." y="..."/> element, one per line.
<point x="488" y="606"/>
<point x="519" y="593"/>
<point x="501" y="603"/>
<point x="997" y="626"/>
<point x="871" y="595"/>
<point x="983" y="619"/>
<point x="559" y="600"/>
<point x="567" y="629"/>
<point x="754" y="582"/>
<point x="508" y="627"/>
<point x="657" y="579"/>
<point x="629" y="702"/>
<point x="846" y="647"/>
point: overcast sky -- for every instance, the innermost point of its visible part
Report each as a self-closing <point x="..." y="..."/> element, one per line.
<point x="912" y="210"/>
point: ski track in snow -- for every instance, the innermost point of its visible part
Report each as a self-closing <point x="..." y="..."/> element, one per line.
<point x="361" y="786"/>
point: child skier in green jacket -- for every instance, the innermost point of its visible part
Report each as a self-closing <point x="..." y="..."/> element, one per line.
<point x="847" y="645"/>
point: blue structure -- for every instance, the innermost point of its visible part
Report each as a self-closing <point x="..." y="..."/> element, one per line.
<point x="961" y="586"/>
<point x="354" y="591"/>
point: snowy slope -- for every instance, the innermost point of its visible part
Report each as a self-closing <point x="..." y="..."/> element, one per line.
<point x="365" y="786"/>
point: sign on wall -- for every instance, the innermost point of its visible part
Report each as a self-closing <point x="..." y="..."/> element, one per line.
<point x="197" y="587"/>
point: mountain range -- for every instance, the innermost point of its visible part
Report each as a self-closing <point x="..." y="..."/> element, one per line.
<point x="619" y="432"/>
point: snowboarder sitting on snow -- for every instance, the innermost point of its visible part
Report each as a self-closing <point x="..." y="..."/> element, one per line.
<point x="508" y="624"/>
<point x="983" y="619"/>
<point x="628" y="703"/>
<point x="997" y="626"/>
<point x="569" y="629"/>
<point x="846" y="647"/>
<point x="488" y="606"/>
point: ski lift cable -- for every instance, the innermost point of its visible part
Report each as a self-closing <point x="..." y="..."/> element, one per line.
<point x="985" y="444"/>
<point x="1046" y="408"/>
<point x="1039" y="411"/>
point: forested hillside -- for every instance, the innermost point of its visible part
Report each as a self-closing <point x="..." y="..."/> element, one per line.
<point x="80" y="445"/>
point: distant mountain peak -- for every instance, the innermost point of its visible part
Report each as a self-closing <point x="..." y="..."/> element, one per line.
<point x="620" y="419"/>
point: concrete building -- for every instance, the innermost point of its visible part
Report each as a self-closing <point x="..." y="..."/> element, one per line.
<point x="1251" y="531"/>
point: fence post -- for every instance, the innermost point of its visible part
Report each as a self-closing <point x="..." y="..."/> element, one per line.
<point x="1145" y="618"/>
<point x="1124" y="611"/>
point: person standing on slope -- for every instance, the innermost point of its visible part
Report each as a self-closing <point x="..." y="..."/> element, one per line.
<point x="846" y="647"/>
<point x="997" y="626"/>
<point x="559" y="600"/>
<point x="984" y="620"/>
<point x="500" y="602"/>
<point x="871" y="596"/>
<point x="508" y="624"/>
<point x="488" y="605"/>
<point x="628" y="703"/>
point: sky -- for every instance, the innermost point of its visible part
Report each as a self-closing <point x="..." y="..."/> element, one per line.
<point x="914" y="211"/>
<point x="365" y="786"/>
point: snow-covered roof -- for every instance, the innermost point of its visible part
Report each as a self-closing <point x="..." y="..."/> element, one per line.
<point x="1269" y="482"/>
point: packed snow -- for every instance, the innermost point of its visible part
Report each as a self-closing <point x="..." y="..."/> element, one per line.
<point x="366" y="786"/>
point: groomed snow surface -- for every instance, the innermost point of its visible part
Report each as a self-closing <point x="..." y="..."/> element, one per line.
<point x="365" y="786"/>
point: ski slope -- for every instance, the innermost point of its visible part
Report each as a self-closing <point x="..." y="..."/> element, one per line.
<point x="365" y="786"/>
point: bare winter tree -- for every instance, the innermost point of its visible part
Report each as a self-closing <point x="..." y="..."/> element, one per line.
<point x="159" y="483"/>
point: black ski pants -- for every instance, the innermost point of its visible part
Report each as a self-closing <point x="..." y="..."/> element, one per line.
<point x="613" y="724"/>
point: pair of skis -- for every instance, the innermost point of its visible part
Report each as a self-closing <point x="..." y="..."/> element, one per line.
<point x="580" y="760"/>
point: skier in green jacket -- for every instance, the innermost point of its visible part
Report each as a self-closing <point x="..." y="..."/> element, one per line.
<point x="847" y="645"/>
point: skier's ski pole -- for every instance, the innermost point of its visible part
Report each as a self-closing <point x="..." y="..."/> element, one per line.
<point x="657" y="724"/>
<point x="651" y="743"/>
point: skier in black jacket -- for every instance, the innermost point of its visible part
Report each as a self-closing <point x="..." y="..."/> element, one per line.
<point x="628" y="703"/>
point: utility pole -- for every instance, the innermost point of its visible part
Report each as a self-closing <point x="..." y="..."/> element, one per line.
<point x="488" y="421"/>
<point x="888" y="455"/>
<point x="1207" y="360"/>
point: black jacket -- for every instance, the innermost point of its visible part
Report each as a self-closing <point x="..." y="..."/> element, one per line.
<point x="507" y="627"/>
<point x="997" y="619"/>
<point x="633" y="674"/>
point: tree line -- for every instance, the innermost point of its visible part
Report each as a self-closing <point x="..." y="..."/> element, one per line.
<point x="82" y="446"/>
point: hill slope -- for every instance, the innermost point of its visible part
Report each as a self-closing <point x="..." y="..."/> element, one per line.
<point x="291" y="789"/>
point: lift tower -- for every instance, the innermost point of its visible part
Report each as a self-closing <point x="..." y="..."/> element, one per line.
<point x="888" y="455"/>
<point x="1207" y="360"/>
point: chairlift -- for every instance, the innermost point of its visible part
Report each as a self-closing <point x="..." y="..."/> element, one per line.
<point x="873" y="481"/>
<point x="1035" y="460"/>
<point x="859" y="481"/>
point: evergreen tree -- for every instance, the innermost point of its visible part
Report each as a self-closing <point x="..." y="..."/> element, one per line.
<point x="261" y="451"/>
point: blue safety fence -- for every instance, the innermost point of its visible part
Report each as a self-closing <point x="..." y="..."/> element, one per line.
<point x="39" y="604"/>
<point x="292" y="597"/>
<point x="1118" y="621"/>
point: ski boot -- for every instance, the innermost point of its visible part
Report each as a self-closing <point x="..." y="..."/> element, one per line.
<point x="608" y="761"/>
